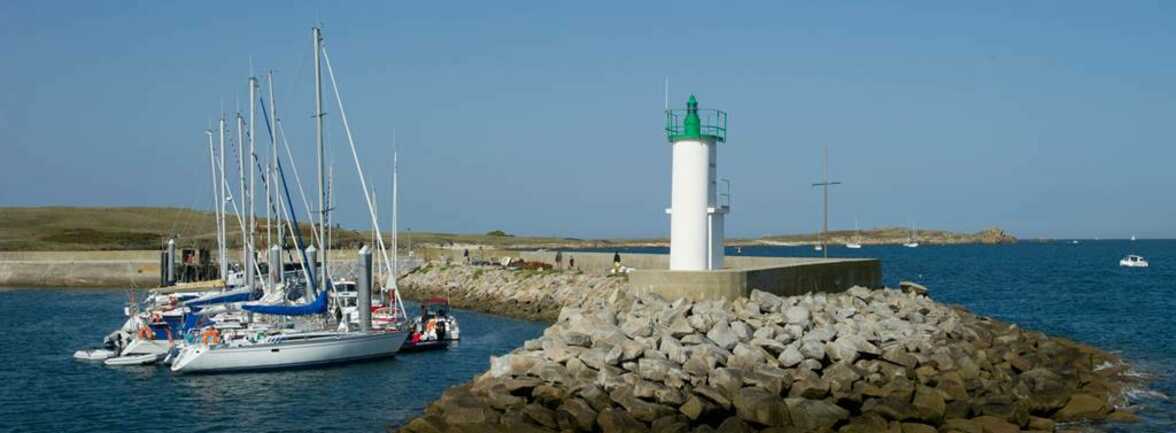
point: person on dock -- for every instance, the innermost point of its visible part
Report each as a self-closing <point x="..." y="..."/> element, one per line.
<point x="616" y="262"/>
<point x="558" y="259"/>
<point x="466" y="253"/>
<point x="571" y="262"/>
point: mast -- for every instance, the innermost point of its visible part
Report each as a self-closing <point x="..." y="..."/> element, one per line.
<point x="392" y="285"/>
<point x="215" y="193"/>
<point x="272" y="197"/>
<point x="318" y="139"/>
<point x="825" y="184"/>
<point x="222" y="234"/>
<point x="251" y="276"/>
<point x="244" y="198"/>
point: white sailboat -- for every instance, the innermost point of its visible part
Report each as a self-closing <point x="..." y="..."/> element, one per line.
<point x="912" y="239"/>
<point x="276" y="346"/>
<point x="856" y="243"/>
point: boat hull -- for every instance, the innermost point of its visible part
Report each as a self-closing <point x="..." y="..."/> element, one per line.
<point x="288" y="354"/>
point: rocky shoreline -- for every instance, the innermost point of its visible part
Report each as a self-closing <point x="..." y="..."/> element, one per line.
<point x="861" y="361"/>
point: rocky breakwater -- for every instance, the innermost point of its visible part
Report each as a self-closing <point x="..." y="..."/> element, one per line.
<point x="862" y="361"/>
<point x="520" y="293"/>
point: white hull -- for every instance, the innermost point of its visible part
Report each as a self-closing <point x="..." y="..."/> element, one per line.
<point x="853" y="246"/>
<point x="133" y="360"/>
<point x="139" y="346"/>
<point x="1127" y="264"/>
<point x="93" y="354"/>
<point x="323" y="348"/>
<point x="911" y="245"/>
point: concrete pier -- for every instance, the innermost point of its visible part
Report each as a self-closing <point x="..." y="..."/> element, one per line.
<point x="783" y="276"/>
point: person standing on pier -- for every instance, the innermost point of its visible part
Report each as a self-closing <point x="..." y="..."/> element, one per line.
<point x="466" y="253"/>
<point x="559" y="259"/>
<point x="616" y="262"/>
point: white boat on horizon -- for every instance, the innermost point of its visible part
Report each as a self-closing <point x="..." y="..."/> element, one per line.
<point x="1133" y="261"/>
<point x="853" y="245"/>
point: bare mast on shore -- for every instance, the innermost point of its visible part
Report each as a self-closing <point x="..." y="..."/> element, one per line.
<point x="825" y="184"/>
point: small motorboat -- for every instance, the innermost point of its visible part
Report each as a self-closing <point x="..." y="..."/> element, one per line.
<point x="818" y="248"/>
<point x="98" y="354"/>
<point x="145" y="359"/>
<point x="1133" y="261"/>
<point x="853" y="245"/>
<point x="435" y="328"/>
<point x="911" y="244"/>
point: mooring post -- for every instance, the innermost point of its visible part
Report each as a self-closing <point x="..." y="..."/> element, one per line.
<point x="171" y="262"/>
<point x="275" y="265"/>
<point x="364" y="299"/>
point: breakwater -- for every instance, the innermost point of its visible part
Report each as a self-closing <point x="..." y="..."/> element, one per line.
<point x="522" y="294"/>
<point x="860" y="361"/>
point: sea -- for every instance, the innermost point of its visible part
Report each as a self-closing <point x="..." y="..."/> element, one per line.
<point x="1077" y="290"/>
<point x="43" y="389"/>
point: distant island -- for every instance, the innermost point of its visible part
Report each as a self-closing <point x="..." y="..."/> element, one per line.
<point x="148" y="228"/>
<point x="896" y="235"/>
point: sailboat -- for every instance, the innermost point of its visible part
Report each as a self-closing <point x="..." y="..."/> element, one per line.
<point x="856" y="242"/>
<point x="912" y="241"/>
<point x="289" y="344"/>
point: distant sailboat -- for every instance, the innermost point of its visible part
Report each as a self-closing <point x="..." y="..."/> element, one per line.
<point x="912" y="241"/>
<point x="857" y="241"/>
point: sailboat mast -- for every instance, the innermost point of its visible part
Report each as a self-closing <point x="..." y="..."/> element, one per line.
<point x="392" y="285"/>
<point x="222" y="234"/>
<point x="825" y="201"/>
<point x="252" y="181"/>
<point x="215" y="194"/>
<point x="241" y="177"/>
<point x="271" y="195"/>
<point x="318" y="139"/>
<point x="274" y="163"/>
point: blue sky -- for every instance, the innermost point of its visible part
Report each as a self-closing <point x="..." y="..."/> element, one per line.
<point x="1045" y="118"/>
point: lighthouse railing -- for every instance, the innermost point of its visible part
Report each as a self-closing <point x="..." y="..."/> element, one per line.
<point x="713" y="123"/>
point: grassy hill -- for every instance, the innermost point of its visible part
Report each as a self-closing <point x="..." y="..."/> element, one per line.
<point x="145" y="228"/>
<point x="148" y="228"/>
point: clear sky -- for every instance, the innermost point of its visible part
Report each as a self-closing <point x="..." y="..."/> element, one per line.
<point x="1045" y="118"/>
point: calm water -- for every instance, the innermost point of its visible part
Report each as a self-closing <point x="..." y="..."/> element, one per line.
<point x="1074" y="290"/>
<point x="42" y="389"/>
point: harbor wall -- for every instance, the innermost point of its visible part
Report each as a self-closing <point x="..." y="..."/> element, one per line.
<point x="79" y="269"/>
<point x="121" y="269"/>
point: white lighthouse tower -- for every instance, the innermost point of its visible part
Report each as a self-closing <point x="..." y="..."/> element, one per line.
<point x="696" y="216"/>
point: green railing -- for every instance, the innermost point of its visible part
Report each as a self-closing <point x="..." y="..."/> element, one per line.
<point x="714" y="123"/>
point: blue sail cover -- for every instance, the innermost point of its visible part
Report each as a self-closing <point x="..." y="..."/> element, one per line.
<point x="238" y="295"/>
<point x="319" y="306"/>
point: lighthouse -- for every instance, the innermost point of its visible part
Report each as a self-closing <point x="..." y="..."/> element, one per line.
<point x="696" y="215"/>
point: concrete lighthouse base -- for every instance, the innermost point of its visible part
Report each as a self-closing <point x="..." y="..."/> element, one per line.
<point x="783" y="276"/>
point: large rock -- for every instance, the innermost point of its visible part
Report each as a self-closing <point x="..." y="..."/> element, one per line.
<point x="723" y="336"/>
<point x="891" y="408"/>
<point x="726" y="380"/>
<point x="619" y="421"/>
<point x="577" y="415"/>
<point x="797" y="315"/>
<point x="638" y="408"/>
<point x="929" y="405"/>
<point x="815" y="415"/>
<point x="790" y="357"/>
<point x="1082" y="406"/>
<point x="637" y="327"/>
<point x="812" y="349"/>
<point x="761" y="407"/>
<point x="991" y="424"/>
